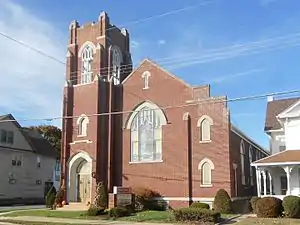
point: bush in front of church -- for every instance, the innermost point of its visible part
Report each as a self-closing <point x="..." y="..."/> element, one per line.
<point x="291" y="205"/>
<point x="145" y="199"/>
<point x="50" y="198"/>
<point x="269" y="207"/>
<point x="222" y="202"/>
<point x="253" y="202"/>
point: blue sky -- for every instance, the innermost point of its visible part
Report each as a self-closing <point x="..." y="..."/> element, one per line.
<point x="33" y="88"/>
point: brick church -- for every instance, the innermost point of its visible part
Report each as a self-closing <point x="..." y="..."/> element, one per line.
<point x="145" y="127"/>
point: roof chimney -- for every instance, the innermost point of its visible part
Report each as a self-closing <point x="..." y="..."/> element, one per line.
<point x="270" y="98"/>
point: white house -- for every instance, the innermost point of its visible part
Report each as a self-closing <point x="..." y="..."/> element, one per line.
<point x="28" y="162"/>
<point x="279" y="174"/>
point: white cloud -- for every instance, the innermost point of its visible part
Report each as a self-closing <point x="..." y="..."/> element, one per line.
<point x="31" y="84"/>
<point x="162" y="42"/>
<point x="135" y="44"/>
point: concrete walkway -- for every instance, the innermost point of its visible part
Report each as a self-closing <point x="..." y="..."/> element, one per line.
<point x="72" y="221"/>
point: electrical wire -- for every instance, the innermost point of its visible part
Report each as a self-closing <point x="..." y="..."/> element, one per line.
<point x="210" y="100"/>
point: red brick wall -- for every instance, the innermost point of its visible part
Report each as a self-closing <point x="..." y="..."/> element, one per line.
<point x="170" y="177"/>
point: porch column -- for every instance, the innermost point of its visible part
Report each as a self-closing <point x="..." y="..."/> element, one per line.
<point x="258" y="181"/>
<point x="265" y="181"/>
<point x="270" y="180"/>
<point x="288" y="170"/>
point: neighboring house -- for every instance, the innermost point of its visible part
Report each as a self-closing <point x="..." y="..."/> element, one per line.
<point x="185" y="153"/>
<point x="279" y="173"/>
<point x="27" y="163"/>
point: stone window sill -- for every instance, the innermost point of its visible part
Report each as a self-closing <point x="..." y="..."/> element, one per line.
<point x="203" y="142"/>
<point x="206" y="185"/>
<point x="145" y="162"/>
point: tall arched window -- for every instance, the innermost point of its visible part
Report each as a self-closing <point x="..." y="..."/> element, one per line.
<point x="250" y="168"/>
<point x="146" y="125"/>
<point x="82" y="124"/>
<point x="242" y="153"/>
<point x="117" y="60"/>
<point x="87" y="59"/>
<point x="204" y="123"/>
<point x="205" y="167"/>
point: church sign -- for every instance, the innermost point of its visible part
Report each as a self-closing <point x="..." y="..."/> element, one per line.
<point x="123" y="196"/>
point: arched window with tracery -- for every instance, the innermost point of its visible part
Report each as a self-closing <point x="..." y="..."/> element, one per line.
<point x="145" y="126"/>
<point x="86" y="62"/>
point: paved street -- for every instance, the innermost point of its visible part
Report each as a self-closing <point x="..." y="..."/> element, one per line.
<point x="17" y="207"/>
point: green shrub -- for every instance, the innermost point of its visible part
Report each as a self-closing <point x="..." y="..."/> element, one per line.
<point x="119" y="212"/>
<point x="222" y="202"/>
<point x="144" y="199"/>
<point x="101" y="197"/>
<point x="253" y="202"/>
<point x="94" y="211"/>
<point x="196" y="214"/>
<point x="50" y="197"/>
<point x="269" y="207"/>
<point x="199" y="205"/>
<point x="291" y="205"/>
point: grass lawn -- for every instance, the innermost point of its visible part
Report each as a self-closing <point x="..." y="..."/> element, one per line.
<point x="269" y="221"/>
<point x="146" y="216"/>
<point x="50" y="213"/>
<point x="150" y="216"/>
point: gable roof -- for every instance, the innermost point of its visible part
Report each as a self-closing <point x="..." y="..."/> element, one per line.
<point x="274" y="108"/>
<point x="37" y="142"/>
<point x="157" y="66"/>
<point x="285" y="157"/>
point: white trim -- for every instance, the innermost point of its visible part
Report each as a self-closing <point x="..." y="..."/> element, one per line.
<point x="275" y="164"/>
<point x="81" y="141"/>
<point x="211" y="164"/>
<point x="79" y="155"/>
<point x="145" y="76"/>
<point x="287" y="110"/>
<point x="160" y="113"/>
<point x="145" y="162"/>
<point x="203" y="118"/>
<point x="87" y="43"/>
<point x="157" y="66"/>
<point x="200" y="199"/>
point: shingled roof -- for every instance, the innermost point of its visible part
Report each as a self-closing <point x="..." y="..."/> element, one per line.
<point x="274" y="108"/>
<point x="38" y="143"/>
<point x="288" y="156"/>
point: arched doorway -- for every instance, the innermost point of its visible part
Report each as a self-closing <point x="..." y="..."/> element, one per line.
<point x="80" y="179"/>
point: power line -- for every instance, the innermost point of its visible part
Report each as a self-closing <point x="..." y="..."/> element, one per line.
<point x="32" y="48"/>
<point x="165" y="14"/>
<point x="211" y="100"/>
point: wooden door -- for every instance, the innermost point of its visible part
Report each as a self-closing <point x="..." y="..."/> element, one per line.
<point x="84" y="188"/>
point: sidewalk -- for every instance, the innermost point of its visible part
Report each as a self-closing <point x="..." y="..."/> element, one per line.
<point x="73" y="221"/>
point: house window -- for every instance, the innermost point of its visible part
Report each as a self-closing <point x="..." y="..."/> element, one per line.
<point x="242" y="153"/>
<point x="17" y="160"/>
<point x="82" y="124"/>
<point x="282" y="148"/>
<point x="146" y="76"/>
<point x="146" y="125"/>
<point x="205" y="167"/>
<point x="250" y="168"/>
<point x="38" y="182"/>
<point x="3" y="136"/>
<point x="87" y="59"/>
<point x="10" y="137"/>
<point x="38" y="162"/>
<point x="204" y="124"/>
